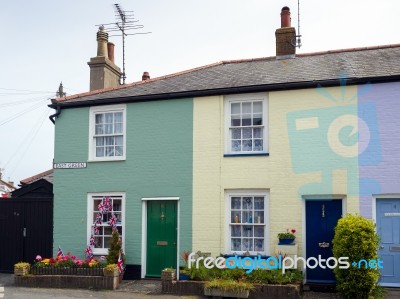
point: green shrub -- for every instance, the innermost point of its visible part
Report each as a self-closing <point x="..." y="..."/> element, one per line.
<point x="229" y="285"/>
<point x="356" y="238"/>
<point x="274" y="276"/>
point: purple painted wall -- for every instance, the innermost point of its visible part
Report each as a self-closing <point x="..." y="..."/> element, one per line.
<point x="379" y="170"/>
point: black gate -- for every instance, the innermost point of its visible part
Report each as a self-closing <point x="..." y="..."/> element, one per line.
<point x="26" y="225"/>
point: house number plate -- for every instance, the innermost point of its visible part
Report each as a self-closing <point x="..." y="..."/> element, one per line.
<point x="162" y="243"/>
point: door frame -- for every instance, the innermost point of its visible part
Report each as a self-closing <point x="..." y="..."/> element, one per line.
<point x="305" y="198"/>
<point x="144" y="230"/>
<point x="375" y="198"/>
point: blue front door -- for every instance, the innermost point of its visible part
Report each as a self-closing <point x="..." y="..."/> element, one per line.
<point x="321" y="219"/>
<point x="388" y="227"/>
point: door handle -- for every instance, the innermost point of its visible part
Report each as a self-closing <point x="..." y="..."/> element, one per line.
<point x="323" y="245"/>
<point x="381" y="247"/>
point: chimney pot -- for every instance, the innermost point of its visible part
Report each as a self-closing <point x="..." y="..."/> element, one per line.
<point x="145" y="76"/>
<point x="285" y="17"/>
<point x="110" y="49"/>
<point x="102" y="39"/>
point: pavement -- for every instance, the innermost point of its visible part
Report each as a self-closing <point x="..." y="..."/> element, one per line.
<point x="128" y="289"/>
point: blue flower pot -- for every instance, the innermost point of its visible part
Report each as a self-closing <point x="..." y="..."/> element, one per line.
<point x="285" y="241"/>
<point x="184" y="277"/>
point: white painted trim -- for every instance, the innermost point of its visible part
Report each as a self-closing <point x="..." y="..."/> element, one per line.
<point x="144" y="231"/>
<point x="160" y="198"/>
<point x="144" y="239"/>
<point x="109" y="108"/>
<point x="249" y="97"/>
<point x="248" y="192"/>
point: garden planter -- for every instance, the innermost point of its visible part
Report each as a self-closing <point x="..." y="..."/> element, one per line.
<point x="21" y="271"/>
<point x="285" y="241"/>
<point x="226" y="293"/>
<point x="168" y="275"/>
<point x="111" y="273"/>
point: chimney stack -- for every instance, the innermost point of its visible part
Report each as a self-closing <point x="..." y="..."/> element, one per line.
<point x="285" y="37"/>
<point x="145" y="76"/>
<point x="103" y="72"/>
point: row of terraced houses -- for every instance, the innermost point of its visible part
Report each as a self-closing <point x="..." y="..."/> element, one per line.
<point x="223" y="157"/>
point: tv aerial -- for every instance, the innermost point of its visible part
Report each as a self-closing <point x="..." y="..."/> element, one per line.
<point x="125" y="23"/>
<point x="296" y="41"/>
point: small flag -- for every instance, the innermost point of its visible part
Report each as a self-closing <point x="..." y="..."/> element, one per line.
<point x="113" y="222"/>
<point x="59" y="252"/>
<point x="101" y="207"/>
<point x="99" y="218"/>
<point x="96" y="230"/>
<point x="107" y="203"/>
<point x="120" y="264"/>
<point x="91" y="240"/>
<point x="88" y="252"/>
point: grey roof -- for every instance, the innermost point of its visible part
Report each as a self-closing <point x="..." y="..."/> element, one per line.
<point x="374" y="63"/>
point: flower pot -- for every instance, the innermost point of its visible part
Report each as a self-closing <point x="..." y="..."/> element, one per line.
<point x="183" y="276"/>
<point x="113" y="273"/>
<point x="168" y="275"/>
<point x="21" y="271"/>
<point x="285" y="241"/>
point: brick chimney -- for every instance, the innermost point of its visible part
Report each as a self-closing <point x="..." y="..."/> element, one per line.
<point x="285" y="36"/>
<point x="145" y="76"/>
<point x="103" y="72"/>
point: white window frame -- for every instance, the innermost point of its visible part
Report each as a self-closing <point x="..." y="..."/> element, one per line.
<point x="92" y="140"/>
<point x="266" y="224"/>
<point x="90" y="205"/>
<point x="246" y="98"/>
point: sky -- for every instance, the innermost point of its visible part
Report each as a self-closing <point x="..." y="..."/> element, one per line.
<point x="46" y="42"/>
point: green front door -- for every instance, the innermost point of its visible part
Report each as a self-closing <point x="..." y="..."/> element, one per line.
<point x="161" y="236"/>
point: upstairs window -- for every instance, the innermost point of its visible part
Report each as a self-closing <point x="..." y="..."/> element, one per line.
<point x="246" y="124"/>
<point x="107" y="133"/>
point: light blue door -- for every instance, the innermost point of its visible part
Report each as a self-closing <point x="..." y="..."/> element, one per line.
<point x="388" y="227"/>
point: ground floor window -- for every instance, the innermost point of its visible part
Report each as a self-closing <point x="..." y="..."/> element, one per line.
<point x="247" y="222"/>
<point x="105" y="211"/>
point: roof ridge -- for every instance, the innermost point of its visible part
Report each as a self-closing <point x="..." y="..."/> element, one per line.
<point x="93" y="92"/>
<point x="349" y="50"/>
<point x="137" y="83"/>
<point x="39" y="175"/>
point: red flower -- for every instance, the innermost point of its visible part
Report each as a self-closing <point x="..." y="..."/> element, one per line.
<point x="293" y="230"/>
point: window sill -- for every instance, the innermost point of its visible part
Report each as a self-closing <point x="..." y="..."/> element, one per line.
<point x="246" y="154"/>
<point x="107" y="160"/>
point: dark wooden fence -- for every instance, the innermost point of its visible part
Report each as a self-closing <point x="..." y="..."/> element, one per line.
<point x="26" y="226"/>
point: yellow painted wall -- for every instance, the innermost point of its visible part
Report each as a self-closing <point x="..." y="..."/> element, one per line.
<point x="213" y="173"/>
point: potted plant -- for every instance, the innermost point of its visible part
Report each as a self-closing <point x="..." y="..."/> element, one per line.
<point x="287" y="237"/>
<point x="168" y="274"/>
<point x="111" y="270"/>
<point x="184" y="274"/>
<point x="227" y="288"/>
<point x="22" y="268"/>
<point x="115" y="253"/>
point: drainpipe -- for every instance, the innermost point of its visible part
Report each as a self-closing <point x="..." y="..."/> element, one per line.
<point x="53" y="116"/>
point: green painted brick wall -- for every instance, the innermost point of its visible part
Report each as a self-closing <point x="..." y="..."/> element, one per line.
<point x="159" y="149"/>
